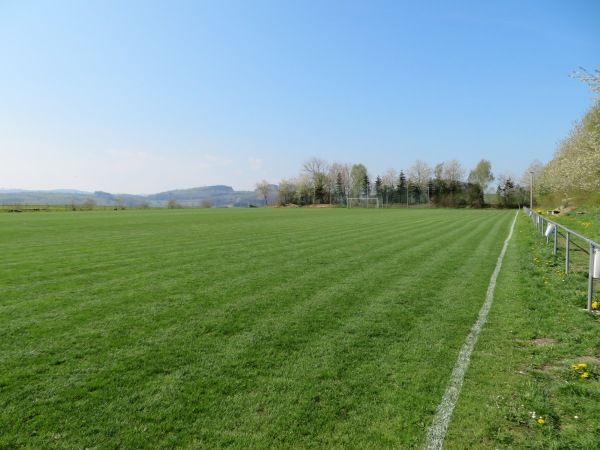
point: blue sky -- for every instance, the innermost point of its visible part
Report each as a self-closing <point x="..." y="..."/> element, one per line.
<point x="147" y="96"/>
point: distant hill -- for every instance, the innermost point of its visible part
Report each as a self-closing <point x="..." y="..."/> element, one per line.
<point x="220" y="195"/>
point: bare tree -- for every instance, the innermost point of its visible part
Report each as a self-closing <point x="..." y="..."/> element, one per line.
<point x="388" y="184"/>
<point x="263" y="189"/>
<point x="419" y="173"/>
<point x="343" y="173"/>
<point x="453" y="171"/>
<point x="89" y="204"/>
<point x="389" y="178"/>
<point x="536" y="168"/>
<point x="438" y="171"/>
<point x="317" y="168"/>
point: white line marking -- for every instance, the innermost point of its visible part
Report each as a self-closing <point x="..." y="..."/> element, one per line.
<point x="437" y="431"/>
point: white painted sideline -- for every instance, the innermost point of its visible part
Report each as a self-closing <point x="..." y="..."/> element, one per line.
<point x="437" y="432"/>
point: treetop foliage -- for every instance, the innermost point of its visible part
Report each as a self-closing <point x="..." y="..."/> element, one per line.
<point x="574" y="171"/>
<point x="592" y="80"/>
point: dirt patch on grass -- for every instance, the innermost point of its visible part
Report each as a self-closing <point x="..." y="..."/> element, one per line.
<point x="552" y="368"/>
<point x="588" y="359"/>
<point x="543" y="341"/>
<point x="567" y="363"/>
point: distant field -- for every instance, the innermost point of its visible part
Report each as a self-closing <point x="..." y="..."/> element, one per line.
<point x="248" y="328"/>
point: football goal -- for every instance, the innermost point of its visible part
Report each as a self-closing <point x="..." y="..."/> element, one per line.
<point x="364" y="202"/>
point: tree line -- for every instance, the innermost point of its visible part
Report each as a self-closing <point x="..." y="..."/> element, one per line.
<point x="446" y="185"/>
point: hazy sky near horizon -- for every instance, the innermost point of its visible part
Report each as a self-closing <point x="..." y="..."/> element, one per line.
<point x="146" y="96"/>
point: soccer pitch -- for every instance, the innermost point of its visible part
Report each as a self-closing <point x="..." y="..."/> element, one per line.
<point x="257" y="328"/>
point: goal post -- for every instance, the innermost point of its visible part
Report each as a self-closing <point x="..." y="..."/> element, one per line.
<point x="363" y="202"/>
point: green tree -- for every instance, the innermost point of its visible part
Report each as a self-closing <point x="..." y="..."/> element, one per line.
<point x="173" y="204"/>
<point x="475" y="195"/>
<point x="573" y="174"/>
<point x="304" y="189"/>
<point x="286" y="191"/>
<point x="321" y="184"/>
<point x="482" y="174"/>
<point x="357" y="176"/>
<point x="574" y="170"/>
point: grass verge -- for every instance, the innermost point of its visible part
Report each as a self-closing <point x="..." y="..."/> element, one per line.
<point x="534" y="377"/>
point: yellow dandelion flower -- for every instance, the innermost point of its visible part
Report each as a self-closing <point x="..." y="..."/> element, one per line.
<point x="585" y="375"/>
<point x="574" y="367"/>
<point x="595" y="304"/>
<point x="541" y="421"/>
<point x="582" y="365"/>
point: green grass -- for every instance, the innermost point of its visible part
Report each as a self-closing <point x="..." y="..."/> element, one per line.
<point x="585" y="220"/>
<point x="521" y="369"/>
<point x="279" y="328"/>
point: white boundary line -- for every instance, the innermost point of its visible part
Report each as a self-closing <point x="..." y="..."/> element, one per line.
<point x="437" y="432"/>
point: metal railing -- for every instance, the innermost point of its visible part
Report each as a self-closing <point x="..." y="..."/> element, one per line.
<point x="548" y="227"/>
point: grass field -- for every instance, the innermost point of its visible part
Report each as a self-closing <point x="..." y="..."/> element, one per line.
<point x="258" y="328"/>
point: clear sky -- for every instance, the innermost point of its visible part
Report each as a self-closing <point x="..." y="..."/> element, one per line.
<point x="145" y="96"/>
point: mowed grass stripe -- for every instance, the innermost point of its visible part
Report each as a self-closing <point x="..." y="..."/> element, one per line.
<point x="141" y="272"/>
<point x="362" y="317"/>
<point x="288" y="360"/>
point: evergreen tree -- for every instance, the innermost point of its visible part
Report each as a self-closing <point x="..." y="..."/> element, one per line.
<point x="366" y="185"/>
<point x="339" y="189"/>
<point x="378" y="187"/>
<point x="401" y="188"/>
<point x="430" y="191"/>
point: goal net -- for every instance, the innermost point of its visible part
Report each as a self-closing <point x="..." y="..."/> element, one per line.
<point x="364" y="202"/>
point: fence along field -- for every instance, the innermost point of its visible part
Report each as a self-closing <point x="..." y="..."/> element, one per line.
<point x="241" y="328"/>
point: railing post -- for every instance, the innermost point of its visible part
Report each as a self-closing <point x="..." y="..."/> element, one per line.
<point x="555" y="237"/>
<point x="591" y="278"/>
<point x="543" y="226"/>
<point x="567" y="252"/>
